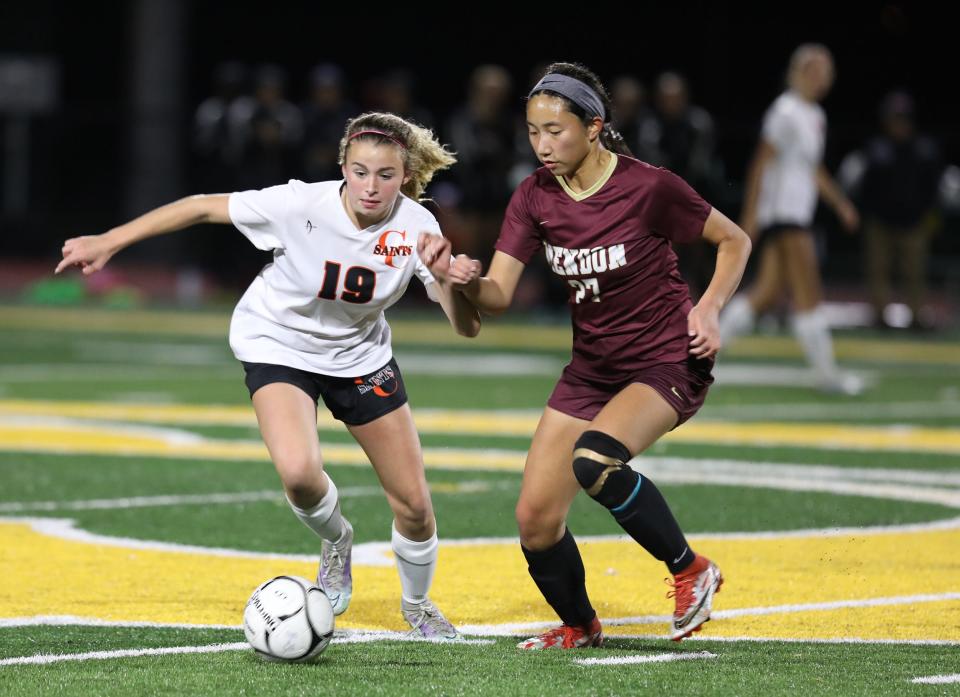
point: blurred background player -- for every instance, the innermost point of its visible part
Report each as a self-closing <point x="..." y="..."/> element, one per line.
<point x="311" y="326"/>
<point x="642" y="352"/>
<point x="783" y="184"/>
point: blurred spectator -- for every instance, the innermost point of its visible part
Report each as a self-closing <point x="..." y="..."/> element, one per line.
<point x="211" y="129"/>
<point x="629" y="100"/>
<point x="267" y="130"/>
<point x="895" y="179"/>
<point x="325" y="115"/>
<point x="394" y="92"/>
<point x="483" y="132"/>
<point x="679" y="136"/>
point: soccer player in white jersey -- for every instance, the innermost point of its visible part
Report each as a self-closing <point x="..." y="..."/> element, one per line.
<point x="784" y="182"/>
<point x="311" y="326"/>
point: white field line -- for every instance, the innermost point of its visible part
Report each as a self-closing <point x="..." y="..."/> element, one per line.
<point x="143" y="502"/>
<point x="799" y="607"/>
<point x="478" y="364"/>
<point x="793" y="640"/>
<point x="362" y="635"/>
<point x="156" y="354"/>
<point x="513" y="628"/>
<point x="65" y="529"/>
<point x="823" y="411"/>
<point x="75" y="621"/>
<point x="158" y="366"/>
<point x="97" y="372"/>
<point x="655" y="658"/>
<point x="651" y="464"/>
<point x="43" y="659"/>
<point x="774" y="375"/>
<point x="380" y="553"/>
<point x="173" y="436"/>
<point x="655" y="465"/>
<point x="443" y="363"/>
<point x="893" y="484"/>
<point x="468" y="487"/>
<point x="895" y="492"/>
<point x="776" y="411"/>
<point x="338" y="638"/>
<point x="937" y="679"/>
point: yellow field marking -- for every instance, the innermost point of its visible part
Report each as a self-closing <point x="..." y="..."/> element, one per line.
<point x="106" y="441"/>
<point x="21" y="434"/>
<point x="196" y="414"/>
<point x="46" y="575"/>
<point x="110" y="441"/>
<point x="814" y="435"/>
<point x="438" y="333"/>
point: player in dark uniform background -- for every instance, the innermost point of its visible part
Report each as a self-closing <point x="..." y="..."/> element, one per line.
<point x="642" y="351"/>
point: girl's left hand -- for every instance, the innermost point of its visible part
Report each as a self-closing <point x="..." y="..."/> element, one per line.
<point x="703" y="326"/>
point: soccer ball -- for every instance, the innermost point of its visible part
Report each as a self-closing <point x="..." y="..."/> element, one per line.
<point x="288" y="618"/>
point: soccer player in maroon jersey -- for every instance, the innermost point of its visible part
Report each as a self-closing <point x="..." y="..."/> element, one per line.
<point x="642" y="351"/>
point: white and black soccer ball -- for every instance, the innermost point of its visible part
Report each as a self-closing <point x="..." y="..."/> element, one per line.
<point x="288" y="618"/>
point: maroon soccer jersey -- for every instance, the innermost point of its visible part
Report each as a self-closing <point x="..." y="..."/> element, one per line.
<point x="628" y="302"/>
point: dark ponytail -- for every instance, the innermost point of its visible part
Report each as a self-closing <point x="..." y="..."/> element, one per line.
<point x="610" y="138"/>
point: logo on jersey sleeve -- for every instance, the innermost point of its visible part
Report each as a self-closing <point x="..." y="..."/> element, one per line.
<point x="390" y="246"/>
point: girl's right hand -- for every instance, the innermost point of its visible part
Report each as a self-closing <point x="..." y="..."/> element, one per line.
<point x="90" y="253"/>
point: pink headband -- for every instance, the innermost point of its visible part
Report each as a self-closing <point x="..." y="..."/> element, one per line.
<point x="378" y="133"/>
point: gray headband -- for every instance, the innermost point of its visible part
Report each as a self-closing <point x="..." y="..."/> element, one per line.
<point x="580" y="93"/>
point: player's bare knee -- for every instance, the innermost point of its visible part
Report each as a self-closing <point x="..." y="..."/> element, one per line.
<point x="414" y="515"/>
<point x="600" y="466"/>
<point x="537" y="528"/>
<point x="303" y="482"/>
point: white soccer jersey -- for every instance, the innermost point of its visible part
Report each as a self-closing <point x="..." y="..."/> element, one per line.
<point x="788" y="190"/>
<point x="319" y="305"/>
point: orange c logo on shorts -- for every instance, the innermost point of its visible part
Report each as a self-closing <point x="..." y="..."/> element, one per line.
<point x="380" y="392"/>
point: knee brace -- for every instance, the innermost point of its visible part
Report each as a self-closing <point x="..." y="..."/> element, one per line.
<point x="600" y="465"/>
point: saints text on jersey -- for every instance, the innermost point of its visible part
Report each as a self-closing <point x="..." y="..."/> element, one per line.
<point x="386" y="248"/>
<point x="577" y="262"/>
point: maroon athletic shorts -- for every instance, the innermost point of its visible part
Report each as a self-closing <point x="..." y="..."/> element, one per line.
<point x="683" y="385"/>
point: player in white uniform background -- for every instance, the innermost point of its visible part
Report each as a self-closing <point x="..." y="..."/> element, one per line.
<point x="784" y="182"/>
<point x="311" y="326"/>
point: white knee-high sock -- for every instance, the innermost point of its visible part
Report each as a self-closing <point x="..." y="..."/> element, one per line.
<point x="813" y="333"/>
<point x="324" y="518"/>
<point x="736" y="319"/>
<point x="416" y="562"/>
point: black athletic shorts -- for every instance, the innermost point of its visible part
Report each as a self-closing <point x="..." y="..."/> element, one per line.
<point x="354" y="401"/>
<point x="775" y="230"/>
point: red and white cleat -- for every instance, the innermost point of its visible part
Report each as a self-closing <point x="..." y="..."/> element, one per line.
<point x="566" y="637"/>
<point x="693" y="591"/>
